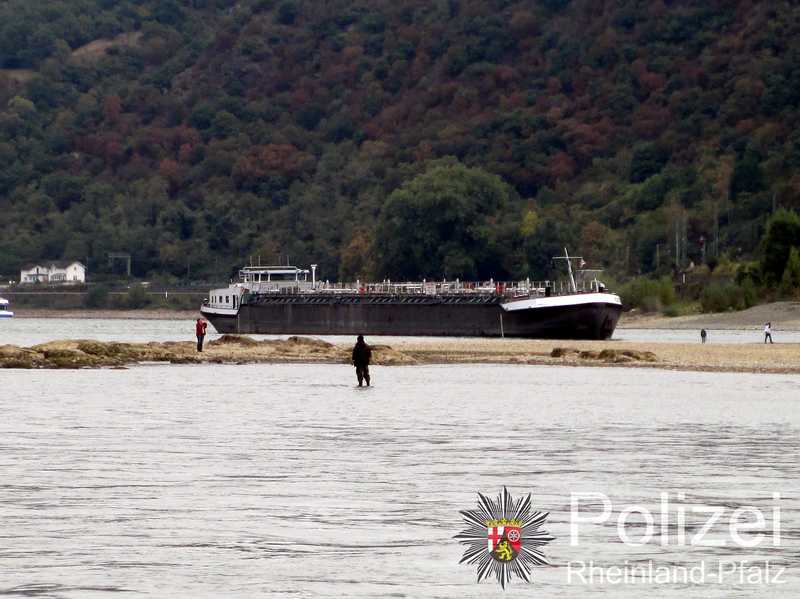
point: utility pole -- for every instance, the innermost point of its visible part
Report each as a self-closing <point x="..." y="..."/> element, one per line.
<point x="685" y="256"/>
<point x="728" y="206"/>
<point x="627" y="258"/>
<point x="715" y="245"/>
<point x="677" y="227"/>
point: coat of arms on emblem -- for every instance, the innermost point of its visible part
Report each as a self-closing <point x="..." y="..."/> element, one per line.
<point x="504" y="537"/>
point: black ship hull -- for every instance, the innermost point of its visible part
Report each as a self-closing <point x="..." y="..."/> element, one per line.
<point x="447" y="317"/>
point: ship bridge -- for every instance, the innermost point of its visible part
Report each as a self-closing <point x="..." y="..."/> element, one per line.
<point x="277" y="279"/>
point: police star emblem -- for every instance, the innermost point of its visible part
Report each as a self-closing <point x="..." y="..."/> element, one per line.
<point x="504" y="537"/>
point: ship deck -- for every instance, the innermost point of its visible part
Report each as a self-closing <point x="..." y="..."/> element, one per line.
<point x="372" y="298"/>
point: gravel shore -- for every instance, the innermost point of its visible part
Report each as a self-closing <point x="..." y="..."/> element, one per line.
<point x="233" y="349"/>
<point x="784" y="316"/>
<point x="756" y="357"/>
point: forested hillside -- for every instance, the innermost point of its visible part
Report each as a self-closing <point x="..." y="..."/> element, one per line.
<point x="459" y="138"/>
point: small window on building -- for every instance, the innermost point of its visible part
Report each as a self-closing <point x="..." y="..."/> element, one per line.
<point x="227" y="299"/>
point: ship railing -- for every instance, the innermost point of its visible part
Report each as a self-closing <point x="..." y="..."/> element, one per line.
<point x="513" y="289"/>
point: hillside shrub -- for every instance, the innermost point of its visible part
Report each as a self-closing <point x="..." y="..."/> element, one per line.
<point x="721" y="297"/>
<point x="650" y="295"/>
<point x="137" y="297"/>
<point x="97" y="297"/>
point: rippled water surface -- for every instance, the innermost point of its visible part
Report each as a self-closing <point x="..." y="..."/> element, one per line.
<point x="30" y="331"/>
<point x="288" y="481"/>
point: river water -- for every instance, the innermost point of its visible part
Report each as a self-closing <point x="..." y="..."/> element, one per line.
<point x="30" y="331"/>
<point x="288" y="481"/>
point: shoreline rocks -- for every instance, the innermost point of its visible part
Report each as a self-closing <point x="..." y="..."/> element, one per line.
<point x="613" y="356"/>
<point x="228" y="349"/>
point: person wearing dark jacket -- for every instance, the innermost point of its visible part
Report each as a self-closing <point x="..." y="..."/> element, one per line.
<point x="362" y="353"/>
<point x="200" y="331"/>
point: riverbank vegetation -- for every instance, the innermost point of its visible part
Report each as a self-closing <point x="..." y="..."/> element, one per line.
<point x="99" y="296"/>
<point x="724" y="284"/>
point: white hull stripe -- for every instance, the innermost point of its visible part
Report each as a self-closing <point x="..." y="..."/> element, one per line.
<point x="563" y="300"/>
<point x="219" y="311"/>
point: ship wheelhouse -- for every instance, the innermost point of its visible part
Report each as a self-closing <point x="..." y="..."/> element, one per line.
<point x="259" y="280"/>
<point x="274" y="274"/>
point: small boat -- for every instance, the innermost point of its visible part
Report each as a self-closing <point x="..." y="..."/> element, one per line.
<point x="4" y="311"/>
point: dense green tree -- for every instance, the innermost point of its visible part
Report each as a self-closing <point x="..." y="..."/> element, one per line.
<point x="783" y="234"/>
<point x="97" y="297"/>
<point x="287" y="12"/>
<point x="443" y="223"/>
<point x="648" y="160"/>
<point x="224" y="124"/>
<point x="748" y="175"/>
<point x="790" y="281"/>
<point x="137" y="297"/>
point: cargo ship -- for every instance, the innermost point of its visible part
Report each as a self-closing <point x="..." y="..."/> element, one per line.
<point x="290" y="300"/>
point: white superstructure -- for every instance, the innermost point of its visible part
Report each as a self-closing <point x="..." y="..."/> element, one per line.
<point x="257" y="279"/>
<point x="4" y="311"/>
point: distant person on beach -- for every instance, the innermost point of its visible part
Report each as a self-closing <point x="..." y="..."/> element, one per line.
<point x="362" y="353"/>
<point x="200" y="330"/>
<point x="768" y="332"/>
<point x="703" y="335"/>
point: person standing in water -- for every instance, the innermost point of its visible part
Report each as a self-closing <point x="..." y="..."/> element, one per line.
<point x="362" y="353"/>
<point x="768" y="332"/>
<point x="703" y="335"/>
<point x="200" y="330"/>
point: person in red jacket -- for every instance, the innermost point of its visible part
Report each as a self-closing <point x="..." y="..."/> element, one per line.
<point x="200" y="331"/>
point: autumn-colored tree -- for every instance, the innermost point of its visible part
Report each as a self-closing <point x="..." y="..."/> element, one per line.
<point x="112" y="109"/>
<point x="356" y="257"/>
<point x="119" y="119"/>
<point x="271" y="159"/>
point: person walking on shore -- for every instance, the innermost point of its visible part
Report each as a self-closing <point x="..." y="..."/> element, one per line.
<point x="200" y="330"/>
<point x="362" y="353"/>
<point x="703" y="335"/>
<point x="768" y="332"/>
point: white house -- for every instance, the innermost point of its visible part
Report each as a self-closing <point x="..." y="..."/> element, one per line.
<point x="54" y="272"/>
